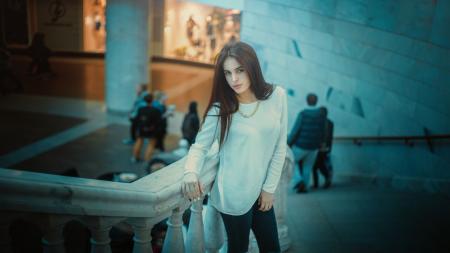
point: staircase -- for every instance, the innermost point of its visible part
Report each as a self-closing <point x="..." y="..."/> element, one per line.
<point x="53" y="202"/>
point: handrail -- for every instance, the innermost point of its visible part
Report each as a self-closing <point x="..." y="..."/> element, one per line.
<point x="391" y="138"/>
<point x="408" y="140"/>
<point x="155" y="194"/>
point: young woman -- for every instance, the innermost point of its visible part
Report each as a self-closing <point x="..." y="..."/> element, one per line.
<point x="248" y="117"/>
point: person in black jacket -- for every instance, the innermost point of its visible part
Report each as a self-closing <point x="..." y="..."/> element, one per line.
<point x="7" y="75"/>
<point x="306" y="137"/>
<point x="191" y="123"/>
<point x="39" y="53"/>
<point x="148" y="118"/>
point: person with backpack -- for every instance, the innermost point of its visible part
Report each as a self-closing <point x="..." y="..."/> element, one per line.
<point x="191" y="123"/>
<point x="141" y="92"/>
<point x="148" y="119"/>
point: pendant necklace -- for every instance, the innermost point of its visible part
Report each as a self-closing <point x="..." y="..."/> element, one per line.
<point x="250" y="114"/>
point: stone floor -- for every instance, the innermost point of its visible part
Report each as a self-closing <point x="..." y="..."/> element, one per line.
<point x="359" y="217"/>
<point x="75" y="132"/>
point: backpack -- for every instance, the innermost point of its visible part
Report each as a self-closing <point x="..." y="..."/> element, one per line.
<point x="148" y="119"/>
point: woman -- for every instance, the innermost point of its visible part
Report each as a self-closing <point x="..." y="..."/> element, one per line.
<point x="248" y="117"/>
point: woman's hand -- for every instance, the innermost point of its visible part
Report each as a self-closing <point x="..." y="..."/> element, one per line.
<point x="191" y="187"/>
<point x="265" y="201"/>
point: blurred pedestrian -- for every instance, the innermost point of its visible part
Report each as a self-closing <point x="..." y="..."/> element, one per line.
<point x="191" y="123"/>
<point x="306" y="137"/>
<point x="39" y="53"/>
<point x="148" y="119"/>
<point x="159" y="103"/>
<point x="323" y="161"/>
<point x="7" y="75"/>
<point x="141" y="93"/>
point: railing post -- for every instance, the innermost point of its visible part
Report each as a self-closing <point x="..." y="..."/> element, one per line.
<point x="195" y="238"/>
<point x="142" y="239"/>
<point x="214" y="230"/>
<point x="174" y="237"/>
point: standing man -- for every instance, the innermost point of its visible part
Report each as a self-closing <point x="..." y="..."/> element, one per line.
<point x="306" y="137"/>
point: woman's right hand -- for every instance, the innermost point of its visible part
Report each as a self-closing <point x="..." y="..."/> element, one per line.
<point x="191" y="187"/>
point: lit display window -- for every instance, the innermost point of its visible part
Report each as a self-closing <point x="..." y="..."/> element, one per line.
<point x="197" y="32"/>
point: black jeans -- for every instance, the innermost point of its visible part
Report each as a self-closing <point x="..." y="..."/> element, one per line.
<point x="263" y="224"/>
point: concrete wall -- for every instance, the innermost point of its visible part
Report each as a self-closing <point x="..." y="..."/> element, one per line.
<point x="381" y="68"/>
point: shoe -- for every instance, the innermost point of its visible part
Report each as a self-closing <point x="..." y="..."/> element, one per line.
<point x="327" y="183"/>
<point x="301" y="187"/>
<point x="128" y="141"/>
<point x="135" y="160"/>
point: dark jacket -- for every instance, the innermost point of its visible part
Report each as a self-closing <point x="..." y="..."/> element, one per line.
<point x="328" y="138"/>
<point x="309" y="129"/>
<point x="190" y="126"/>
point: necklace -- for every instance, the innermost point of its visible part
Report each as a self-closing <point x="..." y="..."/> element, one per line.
<point x="252" y="113"/>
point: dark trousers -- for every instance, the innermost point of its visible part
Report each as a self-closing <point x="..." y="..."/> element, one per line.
<point x="322" y="164"/>
<point x="133" y="128"/>
<point x="263" y="224"/>
<point x="7" y="75"/>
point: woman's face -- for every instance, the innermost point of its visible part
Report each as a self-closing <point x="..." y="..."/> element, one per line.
<point x="236" y="76"/>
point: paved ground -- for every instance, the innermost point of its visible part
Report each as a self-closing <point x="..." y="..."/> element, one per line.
<point x="358" y="217"/>
<point x="350" y="217"/>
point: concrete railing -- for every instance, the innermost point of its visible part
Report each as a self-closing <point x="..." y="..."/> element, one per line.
<point x="51" y="201"/>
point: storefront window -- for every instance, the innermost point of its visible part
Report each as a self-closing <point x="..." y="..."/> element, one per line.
<point x="14" y="22"/>
<point x="197" y="32"/>
<point x="190" y="31"/>
<point x="94" y="25"/>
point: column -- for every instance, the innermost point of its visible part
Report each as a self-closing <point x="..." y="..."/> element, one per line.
<point x="127" y="54"/>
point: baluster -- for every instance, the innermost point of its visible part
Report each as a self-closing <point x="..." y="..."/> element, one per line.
<point x="53" y="226"/>
<point x="100" y="227"/>
<point x="195" y="238"/>
<point x="5" y="238"/>
<point x="214" y="230"/>
<point x="100" y="241"/>
<point x="142" y="239"/>
<point x="174" y="238"/>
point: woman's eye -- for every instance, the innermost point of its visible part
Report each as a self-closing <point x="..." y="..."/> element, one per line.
<point x="240" y="70"/>
<point x="227" y="73"/>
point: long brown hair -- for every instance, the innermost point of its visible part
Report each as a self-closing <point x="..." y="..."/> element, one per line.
<point x="223" y="94"/>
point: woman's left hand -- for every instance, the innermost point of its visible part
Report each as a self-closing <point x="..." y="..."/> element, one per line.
<point x="265" y="201"/>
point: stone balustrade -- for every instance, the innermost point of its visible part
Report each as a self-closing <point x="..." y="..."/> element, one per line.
<point x="51" y="201"/>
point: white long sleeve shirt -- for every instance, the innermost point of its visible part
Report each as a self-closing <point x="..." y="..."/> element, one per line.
<point x="252" y="156"/>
